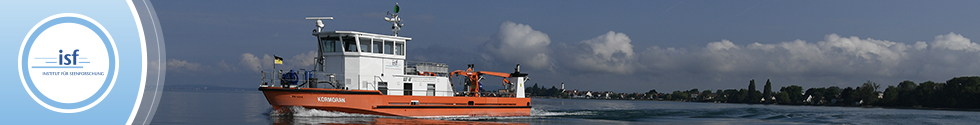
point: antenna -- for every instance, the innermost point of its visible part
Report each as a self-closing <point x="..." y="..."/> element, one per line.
<point x="319" y="22"/>
<point x="396" y="22"/>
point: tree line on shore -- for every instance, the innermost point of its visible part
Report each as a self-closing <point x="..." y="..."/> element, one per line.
<point x="542" y="91"/>
<point x="958" y="92"/>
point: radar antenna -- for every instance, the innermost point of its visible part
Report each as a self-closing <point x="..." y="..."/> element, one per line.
<point x="396" y="22"/>
<point x="319" y="22"/>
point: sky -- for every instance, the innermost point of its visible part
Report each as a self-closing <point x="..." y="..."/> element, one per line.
<point x="622" y="46"/>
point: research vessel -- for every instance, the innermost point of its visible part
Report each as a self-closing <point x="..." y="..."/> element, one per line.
<point x="366" y="73"/>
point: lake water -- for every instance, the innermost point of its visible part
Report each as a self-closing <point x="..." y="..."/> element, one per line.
<point x="250" y="107"/>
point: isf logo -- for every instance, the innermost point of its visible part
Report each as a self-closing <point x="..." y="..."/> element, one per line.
<point x="68" y="63"/>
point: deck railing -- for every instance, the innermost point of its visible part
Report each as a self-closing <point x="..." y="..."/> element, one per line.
<point x="310" y="79"/>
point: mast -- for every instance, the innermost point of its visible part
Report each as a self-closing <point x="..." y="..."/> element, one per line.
<point x="395" y="20"/>
<point x="319" y="28"/>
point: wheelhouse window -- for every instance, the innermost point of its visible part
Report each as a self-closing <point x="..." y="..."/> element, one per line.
<point x="377" y="46"/>
<point x="330" y="44"/>
<point x="399" y="48"/>
<point x="365" y="44"/>
<point x="389" y="46"/>
<point x="350" y="44"/>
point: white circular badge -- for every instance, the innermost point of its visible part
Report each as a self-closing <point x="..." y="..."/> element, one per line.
<point x="68" y="63"/>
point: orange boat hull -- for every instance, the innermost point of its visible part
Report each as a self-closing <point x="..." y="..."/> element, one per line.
<point x="373" y="102"/>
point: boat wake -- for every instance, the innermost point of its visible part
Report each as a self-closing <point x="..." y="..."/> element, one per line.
<point x="300" y="115"/>
<point x="544" y="113"/>
<point x="299" y="111"/>
<point x="297" y="114"/>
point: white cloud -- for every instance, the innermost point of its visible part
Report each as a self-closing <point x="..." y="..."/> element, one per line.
<point x="184" y="66"/>
<point x="224" y="65"/>
<point x="954" y="41"/>
<point x="920" y="45"/>
<point x="610" y="52"/>
<point x="256" y="64"/>
<point x="251" y="62"/>
<point x="835" y="56"/>
<point x="759" y="46"/>
<point x="519" y="43"/>
<point x="303" y="60"/>
<point x="176" y="65"/>
<point x="723" y="45"/>
<point x="868" y="49"/>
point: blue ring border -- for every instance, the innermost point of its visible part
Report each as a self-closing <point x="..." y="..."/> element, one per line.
<point x="109" y="49"/>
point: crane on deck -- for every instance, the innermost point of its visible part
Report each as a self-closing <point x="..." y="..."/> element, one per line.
<point x="473" y="77"/>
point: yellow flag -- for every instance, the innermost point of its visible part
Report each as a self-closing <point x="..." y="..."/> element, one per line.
<point x="278" y="60"/>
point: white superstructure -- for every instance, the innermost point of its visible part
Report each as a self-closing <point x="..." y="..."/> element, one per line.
<point x="367" y="61"/>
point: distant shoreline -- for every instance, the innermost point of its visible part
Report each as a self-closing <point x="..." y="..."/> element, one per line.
<point x="885" y="107"/>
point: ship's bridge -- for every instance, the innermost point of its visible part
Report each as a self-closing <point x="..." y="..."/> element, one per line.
<point x="355" y="53"/>
<point x="368" y="61"/>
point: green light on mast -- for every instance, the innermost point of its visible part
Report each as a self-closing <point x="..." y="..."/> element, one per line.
<point x="396" y="7"/>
